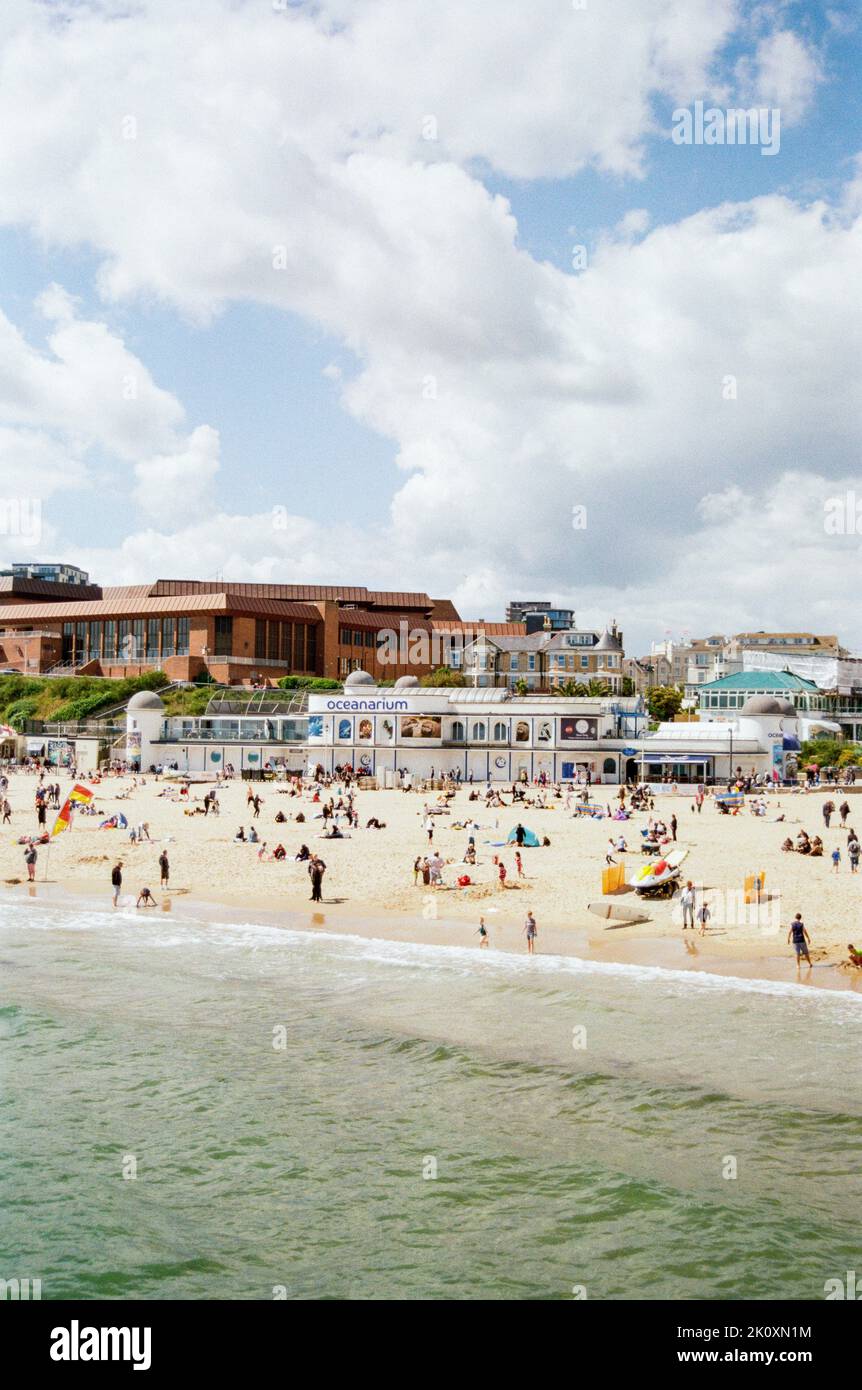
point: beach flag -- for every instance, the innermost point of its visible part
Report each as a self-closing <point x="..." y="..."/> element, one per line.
<point x="83" y="795"/>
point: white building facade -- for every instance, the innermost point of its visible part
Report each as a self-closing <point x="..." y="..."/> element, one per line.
<point x="480" y="734"/>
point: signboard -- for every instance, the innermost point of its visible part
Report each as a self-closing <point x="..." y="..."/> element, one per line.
<point x="579" y="727"/>
<point x="422" y="726"/>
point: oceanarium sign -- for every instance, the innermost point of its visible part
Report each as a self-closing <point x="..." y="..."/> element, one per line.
<point x="382" y="705"/>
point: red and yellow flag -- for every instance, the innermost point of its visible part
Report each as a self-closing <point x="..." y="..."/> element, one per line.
<point x="79" y="794"/>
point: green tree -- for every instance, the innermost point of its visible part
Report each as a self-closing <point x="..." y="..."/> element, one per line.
<point x="444" y="675"/>
<point x="628" y="686"/>
<point x="663" y="702"/>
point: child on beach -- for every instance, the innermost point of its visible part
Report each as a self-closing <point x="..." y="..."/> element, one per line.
<point x="703" y="916"/>
<point x="836" y="859"/>
<point x="531" y="932"/>
<point x="482" y="933"/>
<point x="145" y="897"/>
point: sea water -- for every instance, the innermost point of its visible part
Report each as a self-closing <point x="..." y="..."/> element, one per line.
<point x="195" y="1109"/>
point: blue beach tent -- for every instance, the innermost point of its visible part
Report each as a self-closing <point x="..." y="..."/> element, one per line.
<point x="531" y="839"/>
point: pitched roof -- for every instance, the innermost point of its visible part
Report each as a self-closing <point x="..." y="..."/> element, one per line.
<point x="135" y="602"/>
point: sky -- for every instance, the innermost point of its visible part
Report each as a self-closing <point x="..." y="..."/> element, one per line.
<point x="441" y="297"/>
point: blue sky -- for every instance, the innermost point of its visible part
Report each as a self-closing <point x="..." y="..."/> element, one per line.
<point x="399" y="274"/>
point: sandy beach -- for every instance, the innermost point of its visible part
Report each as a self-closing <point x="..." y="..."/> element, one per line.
<point x="369" y="884"/>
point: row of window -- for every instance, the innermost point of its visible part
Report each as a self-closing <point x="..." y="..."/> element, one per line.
<point x="357" y="637"/>
<point x="293" y="643"/>
<point x="126" y="640"/>
<point x="729" y="700"/>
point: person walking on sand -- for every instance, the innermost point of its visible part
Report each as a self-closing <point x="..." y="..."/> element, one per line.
<point x="501" y="875"/>
<point x="117" y="880"/>
<point x="828" y="812"/>
<point x="316" y="870"/>
<point x="519" y="864"/>
<point x="844" y="811"/>
<point x="164" y="869"/>
<point x="482" y="933"/>
<point x="687" y="901"/>
<point x="801" y="940"/>
<point x="531" y="932"/>
<point x="836" y="859"/>
<point x="853" y="851"/>
<point x="673" y="825"/>
<point x="30" y="857"/>
<point x="703" y="916"/>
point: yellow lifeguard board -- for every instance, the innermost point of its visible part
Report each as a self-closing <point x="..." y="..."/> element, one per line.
<point x="754" y="886"/>
<point x="613" y="878"/>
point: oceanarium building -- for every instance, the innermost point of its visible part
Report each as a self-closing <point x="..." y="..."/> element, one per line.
<point x="482" y="734"/>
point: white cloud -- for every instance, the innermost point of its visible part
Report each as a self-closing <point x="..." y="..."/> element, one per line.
<point x="784" y="72"/>
<point x="214" y="152"/>
<point x="173" y="487"/>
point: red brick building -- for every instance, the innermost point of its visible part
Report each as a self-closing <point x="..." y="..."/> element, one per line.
<point x="240" y="633"/>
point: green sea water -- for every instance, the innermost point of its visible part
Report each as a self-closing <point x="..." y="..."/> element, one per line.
<point x="329" y="1117"/>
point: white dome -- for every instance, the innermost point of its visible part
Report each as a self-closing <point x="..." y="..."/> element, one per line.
<point x="145" y="699"/>
<point x="359" y="678"/>
<point x="406" y="683"/>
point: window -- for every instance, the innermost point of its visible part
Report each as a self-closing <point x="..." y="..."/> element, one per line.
<point x="138" y="635"/>
<point x="311" y="648"/>
<point x="169" y="643"/>
<point x="272" y="642"/>
<point x="223" y="635"/>
<point x="457" y="732"/>
<point x="531" y="662"/>
<point x="513" y="661"/>
<point x="585" y="663"/>
<point x="182" y="636"/>
<point x="153" y="634"/>
<point x="259" y="639"/>
<point x="124" y="638"/>
<point x="480" y="732"/>
<point x="500" y="732"/>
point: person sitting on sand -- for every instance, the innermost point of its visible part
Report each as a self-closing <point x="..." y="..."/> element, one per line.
<point x="816" y="847"/>
<point x="854" y="957"/>
<point x="803" y="843"/>
<point x="788" y="845"/>
<point x="374" y="824"/>
<point x="253" y="836"/>
<point x="239" y="836"/>
<point x="333" y="834"/>
<point x="146" y="897"/>
<point x="304" y="853"/>
<point x="279" y="852"/>
<point x="280" y="818"/>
